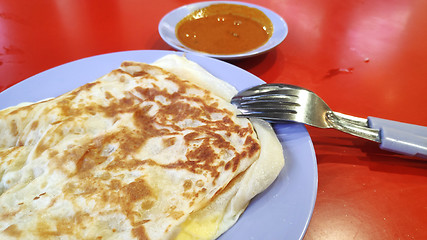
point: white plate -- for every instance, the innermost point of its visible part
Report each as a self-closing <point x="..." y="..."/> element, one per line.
<point x="168" y="22"/>
<point x="283" y="211"/>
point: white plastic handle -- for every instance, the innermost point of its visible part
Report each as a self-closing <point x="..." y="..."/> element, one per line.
<point x="403" y="138"/>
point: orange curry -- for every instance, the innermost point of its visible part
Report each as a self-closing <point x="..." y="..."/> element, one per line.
<point x="224" y="29"/>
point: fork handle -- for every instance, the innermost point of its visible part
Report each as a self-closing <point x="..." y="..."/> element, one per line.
<point x="403" y="138"/>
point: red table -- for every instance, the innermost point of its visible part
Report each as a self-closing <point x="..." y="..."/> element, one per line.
<point x="364" y="58"/>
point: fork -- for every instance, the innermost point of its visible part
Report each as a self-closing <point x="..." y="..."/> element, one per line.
<point x="283" y="102"/>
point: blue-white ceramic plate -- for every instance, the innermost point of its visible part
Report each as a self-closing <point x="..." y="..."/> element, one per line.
<point x="283" y="211"/>
<point x="168" y="22"/>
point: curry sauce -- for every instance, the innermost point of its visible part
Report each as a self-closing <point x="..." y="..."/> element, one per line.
<point x="224" y="29"/>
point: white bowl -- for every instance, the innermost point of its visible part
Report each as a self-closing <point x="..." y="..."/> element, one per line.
<point x="168" y="23"/>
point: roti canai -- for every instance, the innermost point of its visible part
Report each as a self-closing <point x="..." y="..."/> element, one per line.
<point x="145" y="152"/>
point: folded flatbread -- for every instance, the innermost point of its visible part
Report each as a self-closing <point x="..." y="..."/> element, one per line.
<point x="148" y="151"/>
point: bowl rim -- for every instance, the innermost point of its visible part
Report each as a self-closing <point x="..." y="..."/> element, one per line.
<point x="167" y="25"/>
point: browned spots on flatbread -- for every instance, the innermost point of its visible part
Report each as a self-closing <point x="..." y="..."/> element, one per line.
<point x="167" y="142"/>
<point x="137" y="190"/>
<point x="34" y="125"/>
<point x="64" y="105"/>
<point x="139" y="233"/>
<point x="126" y="164"/>
<point x="234" y="162"/>
<point x="191" y="137"/>
<point x="38" y="197"/>
<point x="140" y="74"/>
<point x="88" y="160"/>
<point x="8" y="151"/>
<point x="105" y="176"/>
<point x="115" y="184"/>
<point x="123" y="105"/>
<point x="187" y="184"/>
<point x="64" y="225"/>
<point x="9" y="214"/>
<point x="178" y="111"/>
<point x="125" y="197"/>
<point x="173" y="213"/>
<point x="176" y="214"/>
<point x="199" y="183"/>
<point x="53" y="153"/>
<point x="145" y="205"/>
<point x="14" y="128"/>
<point x="45" y="230"/>
<point x="203" y="154"/>
<point x="146" y="124"/>
<point x="130" y="196"/>
<point x="13" y="231"/>
<point x="252" y="146"/>
<point x="150" y="93"/>
<point x="41" y="147"/>
<point x="108" y="95"/>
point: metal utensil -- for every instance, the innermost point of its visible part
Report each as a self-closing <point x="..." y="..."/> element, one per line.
<point x="283" y="102"/>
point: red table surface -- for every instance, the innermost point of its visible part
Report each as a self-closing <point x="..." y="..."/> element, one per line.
<point x="363" y="57"/>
